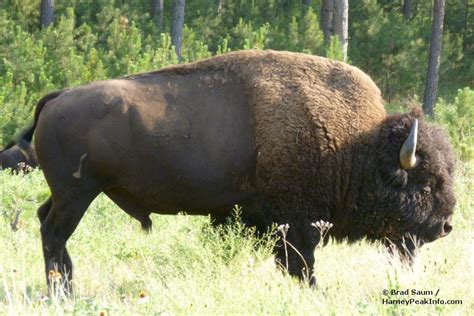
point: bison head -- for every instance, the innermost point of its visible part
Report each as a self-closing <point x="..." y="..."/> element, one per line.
<point x="18" y="156"/>
<point x="414" y="195"/>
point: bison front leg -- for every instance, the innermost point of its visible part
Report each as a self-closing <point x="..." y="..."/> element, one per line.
<point x="295" y="251"/>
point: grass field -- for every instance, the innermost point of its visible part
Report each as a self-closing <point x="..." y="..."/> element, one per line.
<point x="185" y="267"/>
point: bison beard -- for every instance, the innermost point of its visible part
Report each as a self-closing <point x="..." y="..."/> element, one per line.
<point x="292" y="138"/>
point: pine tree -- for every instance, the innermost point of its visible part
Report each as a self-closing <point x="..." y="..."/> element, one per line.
<point x="311" y="39"/>
<point x="341" y="24"/>
<point x="177" y="26"/>
<point x="46" y="12"/>
<point x="408" y="9"/>
<point x="327" y="9"/>
<point x="219" y="4"/>
<point x="434" y="61"/>
<point x="156" y="12"/>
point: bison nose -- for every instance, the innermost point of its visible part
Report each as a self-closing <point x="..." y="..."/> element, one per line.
<point x="447" y="227"/>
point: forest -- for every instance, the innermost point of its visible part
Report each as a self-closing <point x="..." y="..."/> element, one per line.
<point x="185" y="266"/>
<point x="92" y="40"/>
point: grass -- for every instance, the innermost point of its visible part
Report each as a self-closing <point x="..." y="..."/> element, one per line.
<point x="185" y="267"/>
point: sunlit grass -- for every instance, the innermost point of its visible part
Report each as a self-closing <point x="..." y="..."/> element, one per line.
<point x="185" y="267"/>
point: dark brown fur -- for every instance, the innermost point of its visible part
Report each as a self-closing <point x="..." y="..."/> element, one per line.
<point x="292" y="138"/>
<point x="18" y="156"/>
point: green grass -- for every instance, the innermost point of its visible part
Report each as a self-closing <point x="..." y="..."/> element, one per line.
<point x="185" y="267"/>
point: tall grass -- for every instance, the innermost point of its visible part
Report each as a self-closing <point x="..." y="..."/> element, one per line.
<point x="186" y="267"/>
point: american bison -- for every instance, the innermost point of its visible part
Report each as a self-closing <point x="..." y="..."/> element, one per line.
<point x="291" y="138"/>
<point x="19" y="155"/>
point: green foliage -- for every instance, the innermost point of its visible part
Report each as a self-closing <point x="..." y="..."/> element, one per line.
<point x="334" y="49"/>
<point x="391" y="50"/>
<point x="458" y="118"/>
<point x="98" y="39"/>
<point x="230" y="239"/>
<point x="245" y="36"/>
<point x="304" y="35"/>
<point x="312" y="38"/>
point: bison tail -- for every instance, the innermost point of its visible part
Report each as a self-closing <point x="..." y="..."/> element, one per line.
<point x="27" y="134"/>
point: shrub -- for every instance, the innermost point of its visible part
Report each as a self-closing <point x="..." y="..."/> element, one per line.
<point x="458" y="118"/>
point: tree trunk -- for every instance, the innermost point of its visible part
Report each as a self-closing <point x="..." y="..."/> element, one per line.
<point x="159" y="22"/>
<point x="465" y="33"/>
<point x="408" y="9"/>
<point x="341" y="10"/>
<point x="326" y="20"/>
<point x="177" y="26"/>
<point x="307" y="3"/>
<point x="429" y="98"/>
<point x="219" y="4"/>
<point x="153" y="8"/>
<point x="156" y="12"/>
<point x="46" y="12"/>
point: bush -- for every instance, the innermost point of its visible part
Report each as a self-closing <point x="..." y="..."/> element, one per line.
<point x="458" y="118"/>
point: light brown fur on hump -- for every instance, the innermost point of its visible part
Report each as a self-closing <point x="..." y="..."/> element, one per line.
<point x="285" y="83"/>
<point x="305" y="108"/>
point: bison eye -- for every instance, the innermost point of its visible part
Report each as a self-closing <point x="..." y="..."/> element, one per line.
<point x="427" y="189"/>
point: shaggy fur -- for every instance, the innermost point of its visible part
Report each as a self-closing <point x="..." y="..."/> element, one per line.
<point x="291" y="137"/>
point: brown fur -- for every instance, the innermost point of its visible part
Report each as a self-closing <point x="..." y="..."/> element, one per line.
<point x="18" y="156"/>
<point x="292" y="138"/>
<point x="307" y="109"/>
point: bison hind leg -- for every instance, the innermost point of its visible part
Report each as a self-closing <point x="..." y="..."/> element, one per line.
<point x="59" y="217"/>
<point x="44" y="209"/>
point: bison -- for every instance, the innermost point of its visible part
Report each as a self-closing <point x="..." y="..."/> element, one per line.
<point x="19" y="155"/>
<point x="292" y="138"/>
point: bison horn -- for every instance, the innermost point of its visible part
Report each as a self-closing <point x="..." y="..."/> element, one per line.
<point x="407" y="153"/>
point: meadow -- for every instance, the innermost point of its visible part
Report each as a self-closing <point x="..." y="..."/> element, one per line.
<point x="185" y="266"/>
